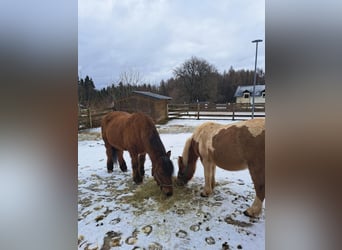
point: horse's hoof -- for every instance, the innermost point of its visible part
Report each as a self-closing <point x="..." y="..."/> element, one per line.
<point x="203" y="194"/>
<point x="123" y="169"/>
<point x="249" y="215"/>
<point x="110" y="171"/>
<point x="138" y="182"/>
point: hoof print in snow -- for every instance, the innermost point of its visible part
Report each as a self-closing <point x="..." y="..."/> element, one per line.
<point x="217" y="204"/>
<point x="194" y="228"/>
<point x="207" y="217"/>
<point x="239" y="247"/>
<point x="98" y="218"/>
<point x="181" y="234"/>
<point x="180" y="211"/>
<point x="115" y="221"/>
<point x="225" y="246"/>
<point x="138" y="248"/>
<point x="210" y="240"/>
<point x="231" y="221"/>
<point x="98" y="208"/>
<point x="112" y="239"/>
<point x="131" y="240"/>
<point x="116" y="242"/>
<point x="147" y="229"/>
<point x="218" y="198"/>
<point x="80" y="239"/>
<point x="155" y="246"/>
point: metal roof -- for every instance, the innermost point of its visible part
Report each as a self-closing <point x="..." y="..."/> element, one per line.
<point x="153" y="95"/>
<point x="243" y="89"/>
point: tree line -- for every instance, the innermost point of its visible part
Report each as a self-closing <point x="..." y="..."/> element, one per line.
<point x="195" y="80"/>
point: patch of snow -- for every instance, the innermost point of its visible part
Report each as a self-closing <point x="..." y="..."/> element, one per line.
<point x="205" y="223"/>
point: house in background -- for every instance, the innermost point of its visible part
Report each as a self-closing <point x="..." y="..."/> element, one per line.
<point x="152" y="104"/>
<point x="244" y="94"/>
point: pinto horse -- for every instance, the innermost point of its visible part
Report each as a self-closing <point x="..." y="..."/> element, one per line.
<point x="137" y="134"/>
<point x="232" y="147"/>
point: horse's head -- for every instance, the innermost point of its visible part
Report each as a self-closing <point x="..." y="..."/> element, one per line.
<point x="162" y="173"/>
<point x="187" y="162"/>
<point x="183" y="172"/>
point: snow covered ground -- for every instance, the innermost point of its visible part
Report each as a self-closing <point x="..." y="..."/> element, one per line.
<point x="109" y="215"/>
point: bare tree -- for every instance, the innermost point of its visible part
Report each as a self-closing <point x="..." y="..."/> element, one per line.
<point x="130" y="77"/>
<point x="198" y="78"/>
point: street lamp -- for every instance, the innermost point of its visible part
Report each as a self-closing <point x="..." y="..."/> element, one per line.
<point x="256" y="56"/>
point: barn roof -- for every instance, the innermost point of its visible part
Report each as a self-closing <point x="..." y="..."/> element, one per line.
<point x="153" y="95"/>
<point x="249" y="88"/>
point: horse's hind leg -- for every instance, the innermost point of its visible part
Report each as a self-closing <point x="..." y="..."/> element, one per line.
<point x="122" y="162"/>
<point x="142" y="158"/>
<point x="109" y="153"/>
<point x="213" y="171"/>
<point x="257" y="172"/>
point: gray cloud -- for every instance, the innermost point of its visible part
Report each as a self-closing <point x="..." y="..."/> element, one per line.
<point x="154" y="37"/>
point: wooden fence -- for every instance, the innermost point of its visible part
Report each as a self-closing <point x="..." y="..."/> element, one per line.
<point x="231" y="111"/>
<point x="91" y="118"/>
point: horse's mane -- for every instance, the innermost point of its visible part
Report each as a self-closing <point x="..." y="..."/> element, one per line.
<point x="185" y="155"/>
<point x="156" y="143"/>
<point x="190" y="156"/>
<point x="158" y="148"/>
<point x="167" y="166"/>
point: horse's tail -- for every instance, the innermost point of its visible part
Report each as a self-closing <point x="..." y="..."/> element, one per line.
<point x="104" y="122"/>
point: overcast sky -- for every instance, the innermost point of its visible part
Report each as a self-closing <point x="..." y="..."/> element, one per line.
<point x="153" y="37"/>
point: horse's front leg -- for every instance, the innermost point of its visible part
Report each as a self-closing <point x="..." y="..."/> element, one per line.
<point x="137" y="177"/>
<point x="209" y="171"/>
<point x="142" y="158"/>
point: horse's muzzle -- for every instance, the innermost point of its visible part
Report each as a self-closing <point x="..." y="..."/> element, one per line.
<point x="137" y="179"/>
<point x="167" y="191"/>
<point x="180" y="182"/>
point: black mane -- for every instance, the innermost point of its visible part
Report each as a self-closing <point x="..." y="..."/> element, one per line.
<point x="159" y="149"/>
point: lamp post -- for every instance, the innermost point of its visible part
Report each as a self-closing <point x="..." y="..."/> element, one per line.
<point x="256" y="56"/>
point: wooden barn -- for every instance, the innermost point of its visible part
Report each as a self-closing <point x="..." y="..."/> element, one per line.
<point x="154" y="105"/>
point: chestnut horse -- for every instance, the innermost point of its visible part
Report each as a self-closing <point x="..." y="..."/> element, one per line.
<point x="236" y="146"/>
<point x="137" y="134"/>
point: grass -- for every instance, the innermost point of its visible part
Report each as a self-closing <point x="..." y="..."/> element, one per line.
<point x="150" y="190"/>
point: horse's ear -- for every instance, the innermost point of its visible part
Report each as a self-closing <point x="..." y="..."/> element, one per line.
<point x="168" y="153"/>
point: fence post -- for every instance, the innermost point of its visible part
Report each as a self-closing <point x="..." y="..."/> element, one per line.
<point x="198" y="110"/>
<point x="90" y="119"/>
<point x="233" y="108"/>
